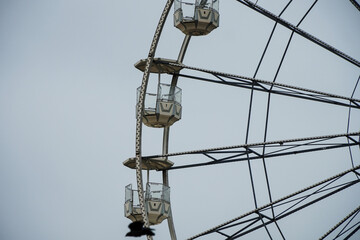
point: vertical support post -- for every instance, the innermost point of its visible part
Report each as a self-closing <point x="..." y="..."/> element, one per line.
<point x="167" y="131"/>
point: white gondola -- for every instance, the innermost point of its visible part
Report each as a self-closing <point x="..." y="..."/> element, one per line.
<point x="157" y="203"/>
<point x="197" y="17"/>
<point x="132" y="207"/>
<point x="162" y="109"/>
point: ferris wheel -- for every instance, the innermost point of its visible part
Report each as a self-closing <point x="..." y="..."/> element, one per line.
<point x="294" y="156"/>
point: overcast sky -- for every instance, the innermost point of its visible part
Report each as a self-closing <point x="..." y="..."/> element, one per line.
<point x="67" y="115"/>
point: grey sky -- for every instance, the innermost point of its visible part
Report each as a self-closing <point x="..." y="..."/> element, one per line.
<point x="67" y="114"/>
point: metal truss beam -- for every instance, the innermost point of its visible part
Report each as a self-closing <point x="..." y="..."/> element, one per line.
<point x="300" y="31"/>
<point x="279" y="148"/>
<point x="345" y="229"/>
<point x="270" y="87"/>
<point x="264" y="86"/>
<point x="284" y="207"/>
